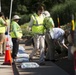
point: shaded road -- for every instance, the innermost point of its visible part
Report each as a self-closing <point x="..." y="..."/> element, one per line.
<point x="61" y="67"/>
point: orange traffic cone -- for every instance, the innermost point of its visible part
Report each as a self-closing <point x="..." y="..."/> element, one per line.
<point x="8" y="58"/>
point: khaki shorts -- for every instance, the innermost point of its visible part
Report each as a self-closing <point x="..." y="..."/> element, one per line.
<point x="2" y="37"/>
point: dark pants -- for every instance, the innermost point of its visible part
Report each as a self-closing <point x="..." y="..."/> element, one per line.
<point x="50" y="44"/>
<point x="15" y="47"/>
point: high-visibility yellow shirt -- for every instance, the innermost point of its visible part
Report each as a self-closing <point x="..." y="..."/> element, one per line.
<point x="48" y="23"/>
<point x="2" y="26"/>
<point x="37" y="26"/>
<point x="16" y="31"/>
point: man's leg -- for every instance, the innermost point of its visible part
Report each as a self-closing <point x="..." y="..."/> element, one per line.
<point x="1" y="42"/>
<point x="36" y="46"/>
<point x="15" y="47"/>
<point x="4" y="44"/>
<point x="51" y="51"/>
<point x="42" y="47"/>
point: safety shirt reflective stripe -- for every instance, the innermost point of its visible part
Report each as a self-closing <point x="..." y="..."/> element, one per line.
<point x="38" y="28"/>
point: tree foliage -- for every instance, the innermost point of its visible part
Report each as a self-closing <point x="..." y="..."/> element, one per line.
<point x="62" y="8"/>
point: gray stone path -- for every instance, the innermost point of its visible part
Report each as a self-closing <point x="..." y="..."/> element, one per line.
<point x="5" y="69"/>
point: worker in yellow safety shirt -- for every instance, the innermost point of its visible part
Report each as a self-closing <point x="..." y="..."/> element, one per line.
<point x="49" y="25"/>
<point x="16" y="34"/>
<point x="36" y="24"/>
<point x="3" y="25"/>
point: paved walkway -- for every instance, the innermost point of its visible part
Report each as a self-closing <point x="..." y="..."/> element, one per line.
<point x="48" y="69"/>
<point x="61" y="67"/>
<point x="5" y="69"/>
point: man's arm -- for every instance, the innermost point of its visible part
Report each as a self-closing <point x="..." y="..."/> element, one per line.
<point x="65" y="46"/>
